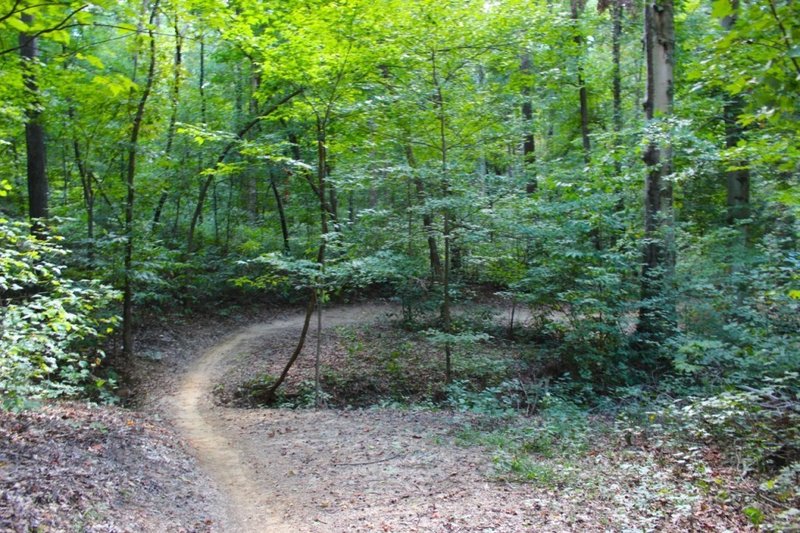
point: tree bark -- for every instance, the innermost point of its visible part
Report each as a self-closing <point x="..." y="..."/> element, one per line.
<point x="34" y="133"/>
<point x="427" y="218"/>
<point x="657" y="311"/>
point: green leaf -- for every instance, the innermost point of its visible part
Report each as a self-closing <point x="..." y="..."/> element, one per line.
<point x="755" y="515"/>
<point x="17" y="24"/>
<point x="721" y="8"/>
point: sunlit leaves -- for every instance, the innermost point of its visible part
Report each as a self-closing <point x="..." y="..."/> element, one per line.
<point x="50" y="326"/>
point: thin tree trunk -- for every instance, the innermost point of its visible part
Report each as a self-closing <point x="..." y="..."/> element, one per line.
<point x="351" y="208"/>
<point x="319" y="189"/>
<point x="198" y="211"/>
<point x="127" y="306"/>
<point x="281" y="214"/>
<point x="529" y="142"/>
<point x="34" y="133"/>
<point x="616" y="74"/>
<point x="427" y="218"/>
<point x="577" y="8"/>
<point x="318" y="354"/>
<point x="446" y="316"/>
<point x="511" y="322"/>
<point x="333" y="203"/>
<point x="88" y="192"/>
<point x="173" y="117"/>
<point x="737" y="178"/>
<point x="269" y="396"/>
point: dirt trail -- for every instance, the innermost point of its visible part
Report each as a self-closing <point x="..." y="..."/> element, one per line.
<point x="393" y="470"/>
<point x="218" y="450"/>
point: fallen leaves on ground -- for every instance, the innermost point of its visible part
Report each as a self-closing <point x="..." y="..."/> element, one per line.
<point x="73" y="467"/>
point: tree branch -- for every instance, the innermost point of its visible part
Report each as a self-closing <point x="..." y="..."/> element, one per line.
<point x="60" y="26"/>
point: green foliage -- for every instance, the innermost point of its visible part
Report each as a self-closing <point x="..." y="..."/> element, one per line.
<point x="525" y="450"/>
<point x="51" y="326"/>
<point x="760" y="426"/>
<point x="740" y="321"/>
<point x="491" y="401"/>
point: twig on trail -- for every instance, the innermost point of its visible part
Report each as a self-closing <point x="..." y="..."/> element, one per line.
<point x="371" y="462"/>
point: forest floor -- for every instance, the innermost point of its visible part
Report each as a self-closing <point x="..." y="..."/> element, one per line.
<point x="405" y="470"/>
<point x="187" y="460"/>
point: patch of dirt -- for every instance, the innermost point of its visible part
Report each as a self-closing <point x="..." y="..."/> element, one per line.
<point x="70" y="467"/>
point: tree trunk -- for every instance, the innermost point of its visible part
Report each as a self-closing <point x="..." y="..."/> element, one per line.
<point x="34" y="133"/>
<point x="198" y="211"/>
<point x="88" y="192"/>
<point x="576" y="8"/>
<point x="319" y="189"/>
<point x="657" y="311"/>
<point x="616" y="74"/>
<point x="127" y="306"/>
<point x="446" y="316"/>
<point x="737" y="178"/>
<point x="173" y="117"/>
<point x="269" y="396"/>
<point x="427" y="218"/>
<point x="281" y="214"/>
<point x="529" y="142"/>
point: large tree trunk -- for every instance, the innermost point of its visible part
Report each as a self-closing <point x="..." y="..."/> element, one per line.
<point x="657" y="311"/>
<point x="34" y="132"/>
<point x="133" y="142"/>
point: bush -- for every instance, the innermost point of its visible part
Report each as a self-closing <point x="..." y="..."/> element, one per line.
<point x="50" y="326"/>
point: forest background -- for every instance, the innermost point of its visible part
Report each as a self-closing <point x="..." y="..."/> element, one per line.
<point x="625" y="174"/>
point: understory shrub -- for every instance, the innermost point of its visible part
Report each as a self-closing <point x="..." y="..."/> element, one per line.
<point x="51" y="326"/>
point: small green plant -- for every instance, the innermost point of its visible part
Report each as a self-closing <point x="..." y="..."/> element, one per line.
<point x="526" y="469"/>
<point x="755" y="515"/>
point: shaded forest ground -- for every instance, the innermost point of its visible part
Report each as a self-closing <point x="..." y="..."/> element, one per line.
<point x="410" y="465"/>
<point x="69" y="467"/>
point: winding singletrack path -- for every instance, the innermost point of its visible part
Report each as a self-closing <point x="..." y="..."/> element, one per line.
<point x="205" y="429"/>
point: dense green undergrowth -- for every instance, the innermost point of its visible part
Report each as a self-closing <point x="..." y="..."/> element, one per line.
<point x="52" y="325"/>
